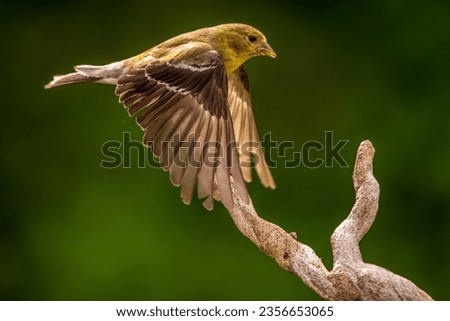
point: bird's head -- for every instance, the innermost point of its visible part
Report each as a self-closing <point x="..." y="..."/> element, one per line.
<point x="239" y="42"/>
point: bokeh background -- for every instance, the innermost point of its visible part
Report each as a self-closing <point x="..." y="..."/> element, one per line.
<point x="71" y="230"/>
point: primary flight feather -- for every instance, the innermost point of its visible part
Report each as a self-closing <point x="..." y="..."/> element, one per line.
<point x="191" y="98"/>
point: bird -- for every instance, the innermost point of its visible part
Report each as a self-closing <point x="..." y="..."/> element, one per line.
<point x="190" y="95"/>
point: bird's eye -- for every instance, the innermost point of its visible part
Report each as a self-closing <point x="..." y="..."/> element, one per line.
<point x="252" y="38"/>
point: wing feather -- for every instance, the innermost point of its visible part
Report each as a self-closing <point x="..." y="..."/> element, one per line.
<point x="182" y="106"/>
<point x="245" y="128"/>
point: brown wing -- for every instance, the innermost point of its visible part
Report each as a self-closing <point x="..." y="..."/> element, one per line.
<point x="245" y="129"/>
<point x="183" y="109"/>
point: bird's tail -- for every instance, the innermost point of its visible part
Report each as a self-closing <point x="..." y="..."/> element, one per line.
<point x="73" y="78"/>
<point x="107" y="74"/>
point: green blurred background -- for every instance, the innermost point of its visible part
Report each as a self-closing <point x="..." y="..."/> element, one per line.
<point x="71" y="230"/>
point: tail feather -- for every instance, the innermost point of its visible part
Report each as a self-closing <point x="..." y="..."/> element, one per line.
<point x="73" y="78"/>
<point x="107" y="74"/>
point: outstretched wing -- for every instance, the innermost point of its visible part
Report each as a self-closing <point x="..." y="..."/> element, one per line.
<point x="245" y="129"/>
<point x="183" y="109"/>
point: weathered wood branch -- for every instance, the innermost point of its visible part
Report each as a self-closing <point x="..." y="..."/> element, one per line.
<point x="351" y="278"/>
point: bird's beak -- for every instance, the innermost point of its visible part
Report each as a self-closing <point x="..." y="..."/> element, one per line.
<point x="266" y="50"/>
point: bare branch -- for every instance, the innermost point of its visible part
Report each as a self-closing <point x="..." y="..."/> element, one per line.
<point x="351" y="278"/>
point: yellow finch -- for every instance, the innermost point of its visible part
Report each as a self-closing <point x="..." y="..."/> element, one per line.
<point x="192" y="96"/>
